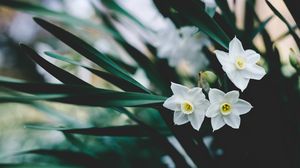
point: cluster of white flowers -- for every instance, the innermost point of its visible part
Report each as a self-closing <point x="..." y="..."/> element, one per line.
<point x="190" y="105"/>
<point x="182" y="45"/>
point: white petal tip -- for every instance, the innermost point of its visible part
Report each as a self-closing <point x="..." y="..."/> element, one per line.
<point x="197" y="129"/>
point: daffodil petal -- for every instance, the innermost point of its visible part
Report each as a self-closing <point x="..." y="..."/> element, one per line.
<point x="172" y="103"/>
<point x="215" y="95"/>
<point x="217" y="122"/>
<point x="249" y="52"/>
<point x="196" y="119"/>
<point x="196" y="93"/>
<point x="254" y="72"/>
<point x="242" y="107"/>
<point x="228" y="69"/>
<point x="222" y="56"/>
<point x="237" y="79"/>
<point x="204" y="104"/>
<point x="235" y="47"/>
<point x="232" y="96"/>
<point x="213" y="110"/>
<point x="178" y="89"/>
<point x="252" y="57"/>
<point x="233" y="121"/>
<point x="180" y="118"/>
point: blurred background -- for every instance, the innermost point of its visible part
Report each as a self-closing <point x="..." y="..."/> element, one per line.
<point x="18" y="27"/>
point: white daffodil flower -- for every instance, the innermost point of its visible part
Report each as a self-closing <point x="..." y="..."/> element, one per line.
<point x="226" y="108"/>
<point x="183" y="45"/>
<point x="189" y="105"/>
<point x="240" y="65"/>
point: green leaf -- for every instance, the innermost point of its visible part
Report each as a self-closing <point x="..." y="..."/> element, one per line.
<point x="142" y="60"/>
<point x="129" y="68"/>
<point x="127" y="130"/>
<point x="88" y="51"/>
<point x="27" y="99"/>
<point x="58" y="73"/>
<point x="261" y="27"/>
<point x="78" y="95"/>
<point x="278" y="14"/>
<point x="119" y="82"/>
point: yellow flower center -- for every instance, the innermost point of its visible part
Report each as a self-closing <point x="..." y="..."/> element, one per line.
<point x="240" y="63"/>
<point x="187" y="107"/>
<point x="225" y="108"/>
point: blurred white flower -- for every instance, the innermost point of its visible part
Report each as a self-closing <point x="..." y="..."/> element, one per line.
<point x="240" y="65"/>
<point x="189" y="105"/>
<point x="22" y="28"/>
<point x="182" y="45"/>
<point x="226" y="108"/>
<point x="79" y="8"/>
<point x="145" y="11"/>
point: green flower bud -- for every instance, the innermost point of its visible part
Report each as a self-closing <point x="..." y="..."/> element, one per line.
<point x="206" y="79"/>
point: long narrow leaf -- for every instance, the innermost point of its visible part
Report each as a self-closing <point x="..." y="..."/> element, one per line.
<point x="127" y="130"/>
<point x="58" y="73"/>
<point x="79" y="95"/>
<point x="88" y="51"/>
<point x="119" y="82"/>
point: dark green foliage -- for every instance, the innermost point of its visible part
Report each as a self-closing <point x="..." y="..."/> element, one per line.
<point x="268" y="137"/>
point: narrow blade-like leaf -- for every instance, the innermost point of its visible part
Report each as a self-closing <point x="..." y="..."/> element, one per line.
<point x="58" y="73"/>
<point x="127" y="130"/>
<point x="88" y="51"/>
<point x="119" y="82"/>
<point x="79" y="95"/>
